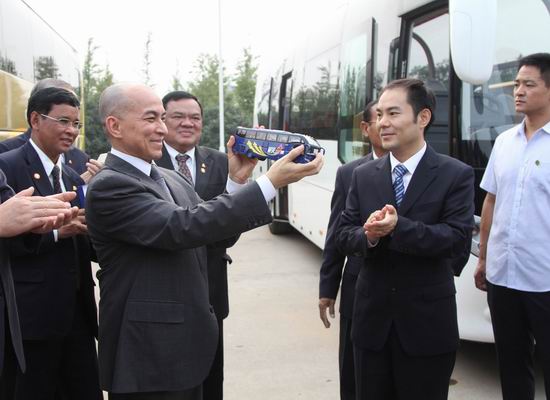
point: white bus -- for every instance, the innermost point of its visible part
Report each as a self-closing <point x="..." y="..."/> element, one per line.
<point x="322" y="87"/>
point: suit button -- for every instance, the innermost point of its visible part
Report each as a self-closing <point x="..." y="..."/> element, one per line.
<point x="393" y="290"/>
<point x="211" y="309"/>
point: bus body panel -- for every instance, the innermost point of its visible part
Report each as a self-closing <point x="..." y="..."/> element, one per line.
<point x="365" y="45"/>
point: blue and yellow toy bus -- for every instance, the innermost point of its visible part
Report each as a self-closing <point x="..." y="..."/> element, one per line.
<point x="273" y="144"/>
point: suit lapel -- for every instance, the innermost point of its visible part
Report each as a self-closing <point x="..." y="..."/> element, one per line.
<point x="118" y="164"/>
<point x="382" y="181"/>
<point x="36" y="171"/>
<point x="165" y="161"/>
<point x="425" y="173"/>
<point x="202" y="169"/>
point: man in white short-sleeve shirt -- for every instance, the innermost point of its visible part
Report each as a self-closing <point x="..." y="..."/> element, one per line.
<point x="514" y="261"/>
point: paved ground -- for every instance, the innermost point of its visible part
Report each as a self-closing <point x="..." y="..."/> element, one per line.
<point x="276" y="347"/>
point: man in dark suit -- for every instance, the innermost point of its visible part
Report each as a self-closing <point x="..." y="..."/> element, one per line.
<point x="410" y="215"/>
<point x="207" y="169"/>
<point x="157" y="331"/>
<point x="332" y="273"/>
<point x="52" y="272"/>
<point x="73" y="157"/>
<point x="20" y="213"/>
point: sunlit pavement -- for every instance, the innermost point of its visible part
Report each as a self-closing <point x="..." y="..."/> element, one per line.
<point x="276" y="347"/>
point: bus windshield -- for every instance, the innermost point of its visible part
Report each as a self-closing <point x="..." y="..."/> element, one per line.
<point x="488" y="109"/>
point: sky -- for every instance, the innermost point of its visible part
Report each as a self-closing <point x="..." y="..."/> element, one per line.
<point x="180" y="31"/>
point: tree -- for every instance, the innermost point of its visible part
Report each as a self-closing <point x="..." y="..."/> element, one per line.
<point x="147" y="61"/>
<point x="45" y="67"/>
<point x="176" y="81"/>
<point x="245" y="86"/>
<point x="95" y="80"/>
<point x="238" y="98"/>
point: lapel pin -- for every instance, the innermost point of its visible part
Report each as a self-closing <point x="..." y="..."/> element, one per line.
<point x="36" y="176"/>
<point x="70" y="161"/>
<point x="203" y="170"/>
<point x="537" y="163"/>
<point x="74" y="188"/>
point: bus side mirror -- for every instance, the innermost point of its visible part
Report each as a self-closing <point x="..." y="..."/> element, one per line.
<point x="472" y="36"/>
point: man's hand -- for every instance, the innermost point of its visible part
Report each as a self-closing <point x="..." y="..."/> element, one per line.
<point x="381" y="223"/>
<point x="25" y="212"/>
<point x="92" y="168"/>
<point x="76" y="226"/>
<point x="324" y="304"/>
<point x="479" y="275"/>
<point x="240" y="166"/>
<point x="285" y="171"/>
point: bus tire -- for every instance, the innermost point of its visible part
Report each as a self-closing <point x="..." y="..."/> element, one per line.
<point x="280" y="227"/>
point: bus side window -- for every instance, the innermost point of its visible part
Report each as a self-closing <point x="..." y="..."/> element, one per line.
<point x="272" y="137"/>
<point x="260" y="135"/>
<point x="282" y="138"/>
<point x="251" y="135"/>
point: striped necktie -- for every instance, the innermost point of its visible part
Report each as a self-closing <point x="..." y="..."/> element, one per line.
<point x="398" y="187"/>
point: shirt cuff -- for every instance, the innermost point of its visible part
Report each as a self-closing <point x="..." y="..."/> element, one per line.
<point x="373" y="243"/>
<point x="267" y="188"/>
<point x="232" y="186"/>
<point x="55" y="235"/>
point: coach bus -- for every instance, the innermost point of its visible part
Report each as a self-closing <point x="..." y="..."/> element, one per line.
<point x="322" y="87"/>
<point x="30" y="50"/>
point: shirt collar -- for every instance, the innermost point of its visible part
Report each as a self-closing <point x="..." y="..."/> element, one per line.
<point x="138" y="163"/>
<point x="46" y="162"/>
<point x="173" y="152"/>
<point x="521" y="129"/>
<point x="412" y="162"/>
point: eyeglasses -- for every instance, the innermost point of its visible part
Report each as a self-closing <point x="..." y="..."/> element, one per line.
<point x="64" y="122"/>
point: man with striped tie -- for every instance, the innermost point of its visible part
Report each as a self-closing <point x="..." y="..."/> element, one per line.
<point x="410" y="216"/>
<point x="207" y="170"/>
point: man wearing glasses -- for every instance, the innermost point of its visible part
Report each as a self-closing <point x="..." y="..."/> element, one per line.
<point x="74" y="157"/>
<point x="52" y="271"/>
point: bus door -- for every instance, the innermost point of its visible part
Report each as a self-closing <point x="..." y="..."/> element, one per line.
<point x="424" y="54"/>
<point x="279" y="204"/>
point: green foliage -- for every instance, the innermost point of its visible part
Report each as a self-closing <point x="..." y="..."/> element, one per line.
<point x="238" y="95"/>
<point x="95" y="80"/>
<point x="45" y="67"/>
<point x="245" y="85"/>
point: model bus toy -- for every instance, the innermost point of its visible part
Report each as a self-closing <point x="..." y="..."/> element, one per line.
<point x="274" y="144"/>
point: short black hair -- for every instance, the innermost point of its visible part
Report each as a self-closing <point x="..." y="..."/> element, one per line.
<point x="179" y="95"/>
<point x="368" y="109"/>
<point x="540" y="61"/>
<point x="419" y="96"/>
<point x="43" y="100"/>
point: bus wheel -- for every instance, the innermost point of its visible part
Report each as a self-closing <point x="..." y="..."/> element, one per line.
<point x="280" y="227"/>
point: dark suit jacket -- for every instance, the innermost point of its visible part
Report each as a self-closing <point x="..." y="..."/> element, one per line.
<point x="157" y="331"/>
<point x="47" y="273"/>
<point x="333" y="259"/>
<point x="7" y="293"/>
<point x="407" y="280"/>
<point x="74" y="157"/>
<point x="209" y="184"/>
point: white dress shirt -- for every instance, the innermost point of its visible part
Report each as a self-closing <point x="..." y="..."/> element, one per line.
<point x="191" y="164"/>
<point x="518" y="174"/>
<point x="410" y="164"/>
<point x="48" y="165"/>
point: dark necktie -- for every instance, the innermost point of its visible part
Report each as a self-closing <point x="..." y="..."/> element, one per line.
<point x="398" y="187"/>
<point x="183" y="168"/>
<point x="55" y="177"/>
<point x="157" y="177"/>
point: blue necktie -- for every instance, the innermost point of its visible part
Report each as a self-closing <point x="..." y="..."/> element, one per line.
<point x="398" y="188"/>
